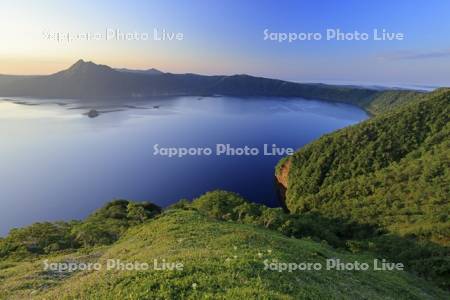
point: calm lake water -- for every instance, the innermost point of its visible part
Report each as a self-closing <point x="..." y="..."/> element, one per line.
<point x="58" y="164"/>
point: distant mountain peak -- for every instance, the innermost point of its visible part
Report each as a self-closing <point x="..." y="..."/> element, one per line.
<point x="86" y="64"/>
<point x="83" y="66"/>
<point x="86" y="67"/>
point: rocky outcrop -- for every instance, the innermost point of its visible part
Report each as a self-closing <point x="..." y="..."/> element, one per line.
<point x="282" y="173"/>
<point x="281" y="179"/>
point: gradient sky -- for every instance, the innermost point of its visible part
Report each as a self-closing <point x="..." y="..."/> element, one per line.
<point x="226" y="37"/>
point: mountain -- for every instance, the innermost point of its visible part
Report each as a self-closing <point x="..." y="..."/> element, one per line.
<point x="84" y="69"/>
<point x="89" y="80"/>
<point x="223" y="255"/>
<point x="151" y="71"/>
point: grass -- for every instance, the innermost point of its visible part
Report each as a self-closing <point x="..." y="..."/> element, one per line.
<point x="222" y="260"/>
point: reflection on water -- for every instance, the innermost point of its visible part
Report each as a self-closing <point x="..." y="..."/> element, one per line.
<point x="57" y="163"/>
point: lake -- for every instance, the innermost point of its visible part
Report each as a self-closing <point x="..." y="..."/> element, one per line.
<point x="56" y="163"/>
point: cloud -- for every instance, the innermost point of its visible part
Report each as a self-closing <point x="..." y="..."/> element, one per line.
<point x="413" y="55"/>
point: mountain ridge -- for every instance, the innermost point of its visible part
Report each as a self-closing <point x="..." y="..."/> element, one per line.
<point x="86" y="80"/>
<point x="151" y="71"/>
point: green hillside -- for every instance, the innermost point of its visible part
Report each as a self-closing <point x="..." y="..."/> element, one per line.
<point x="390" y="173"/>
<point x="392" y="170"/>
<point x="221" y="260"/>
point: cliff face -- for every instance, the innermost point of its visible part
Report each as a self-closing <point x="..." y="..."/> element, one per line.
<point x="282" y="173"/>
<point x="281" y="179"/>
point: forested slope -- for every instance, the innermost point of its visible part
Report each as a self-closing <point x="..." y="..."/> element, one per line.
<point x="391" y="171"/>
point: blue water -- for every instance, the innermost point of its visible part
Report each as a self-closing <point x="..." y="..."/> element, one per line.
<point x="58" y="164"/>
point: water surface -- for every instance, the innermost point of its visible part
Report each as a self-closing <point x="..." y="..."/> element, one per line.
<point x="58" y="164"/>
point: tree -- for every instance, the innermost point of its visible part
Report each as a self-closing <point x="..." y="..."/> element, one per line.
<point x="272" y="217"/>
<point x="136" y="212"/>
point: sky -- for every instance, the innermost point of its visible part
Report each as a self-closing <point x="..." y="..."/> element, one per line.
<point x="227" y="37"/>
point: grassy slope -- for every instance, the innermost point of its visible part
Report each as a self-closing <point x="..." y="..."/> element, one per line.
<point x="221" y="258"/>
